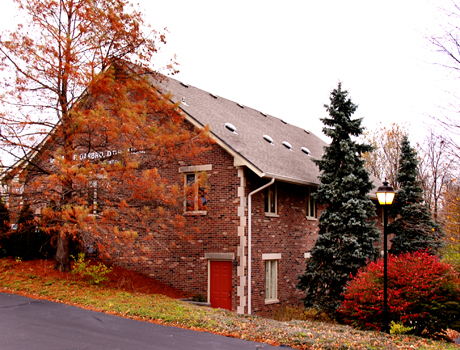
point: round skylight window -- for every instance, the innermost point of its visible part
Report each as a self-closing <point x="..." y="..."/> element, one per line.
<point x="268" y="139"/>
<point x="230" y="127"/>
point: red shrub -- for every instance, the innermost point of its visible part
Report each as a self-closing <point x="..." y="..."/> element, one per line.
<point x="423" y="293"/>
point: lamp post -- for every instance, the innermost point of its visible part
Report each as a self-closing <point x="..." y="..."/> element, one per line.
<point x="385" y="196"/>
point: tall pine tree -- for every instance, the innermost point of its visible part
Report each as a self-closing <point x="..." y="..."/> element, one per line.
<point x="346" y="234"/>
<point x="414" y="227"/>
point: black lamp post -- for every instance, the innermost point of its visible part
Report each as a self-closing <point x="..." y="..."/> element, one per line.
<point x="385" y="196"/>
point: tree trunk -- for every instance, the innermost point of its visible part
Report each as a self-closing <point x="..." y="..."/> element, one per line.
<point x="63" y="253"/>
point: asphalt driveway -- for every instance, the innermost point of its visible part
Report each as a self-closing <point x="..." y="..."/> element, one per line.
<point x="43" y="325"/>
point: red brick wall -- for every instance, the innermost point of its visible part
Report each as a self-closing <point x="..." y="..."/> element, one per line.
<point x="289" y="234"/>
<point x="181" y="262"/>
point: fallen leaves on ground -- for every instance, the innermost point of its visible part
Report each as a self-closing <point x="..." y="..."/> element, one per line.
<point x="132" y="295"/>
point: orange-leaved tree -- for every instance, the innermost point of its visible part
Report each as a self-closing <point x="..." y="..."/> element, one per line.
<point x="82" y="112"/>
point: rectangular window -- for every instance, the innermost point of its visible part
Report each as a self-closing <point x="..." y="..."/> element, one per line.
<point x="271" y="280"/>
<point x="92" y="197"/>
<point x="311" y="203"/>
<point x="5" y="190"/>
<point x="195" y="192"/>
<point x="270" y="199"/>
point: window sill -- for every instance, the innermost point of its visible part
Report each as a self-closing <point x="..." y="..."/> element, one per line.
<point x="311" y="218"/>
<point x="271" y="301"/>
<point x="196" y="213"/>
<point x="272" y="215"/>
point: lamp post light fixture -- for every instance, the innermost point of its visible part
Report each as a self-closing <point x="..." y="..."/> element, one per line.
<point x="385" y="196"/>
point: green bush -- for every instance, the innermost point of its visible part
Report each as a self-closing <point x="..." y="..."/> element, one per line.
<point x="399" y="328"/>
<point x="423" y="293"/>
<point x="96" y="274"/>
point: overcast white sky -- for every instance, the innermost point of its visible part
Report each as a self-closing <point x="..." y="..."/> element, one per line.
<point x="284" y="58"/>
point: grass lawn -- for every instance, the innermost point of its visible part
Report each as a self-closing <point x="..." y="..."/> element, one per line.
<point x="132" y="295"/>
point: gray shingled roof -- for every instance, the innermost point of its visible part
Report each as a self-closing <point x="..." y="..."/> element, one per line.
<point x="248" y="143"/>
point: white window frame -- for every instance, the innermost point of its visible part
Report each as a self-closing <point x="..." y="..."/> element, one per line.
<point x="93" y="191"/>
<point x="268" y="202"/>
<point x="271" y="266"/>
<point x="92" y="196"/>
<point x="311" y="203"/>
<point x="193" y="170"/>
<point x="195" y="193"/>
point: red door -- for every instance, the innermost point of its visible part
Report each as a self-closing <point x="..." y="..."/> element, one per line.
<point x="221" y="284"/>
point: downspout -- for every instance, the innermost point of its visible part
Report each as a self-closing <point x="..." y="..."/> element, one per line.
<point x="249" y="241"/>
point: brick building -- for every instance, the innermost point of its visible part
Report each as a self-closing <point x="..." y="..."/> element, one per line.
<point x="257" y="220"/>
<point x="260" y="221"/>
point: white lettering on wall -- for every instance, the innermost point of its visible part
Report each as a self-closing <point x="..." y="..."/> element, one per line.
<point x="101" y="155"/>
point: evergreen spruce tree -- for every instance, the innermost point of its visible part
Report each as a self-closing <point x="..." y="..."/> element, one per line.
<point x="414" y="227"/>
<point x="347" y="236"/>
<point x="23" y="238"/>
<point x="27" y="241"/>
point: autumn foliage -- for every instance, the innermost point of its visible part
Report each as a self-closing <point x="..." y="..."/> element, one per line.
<point x="383" y="161"/>
<point x="94" y="136"/>
<point x="450" y="219"/>
<point x="423" y="293"/>
<point x="451" y="213"/>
